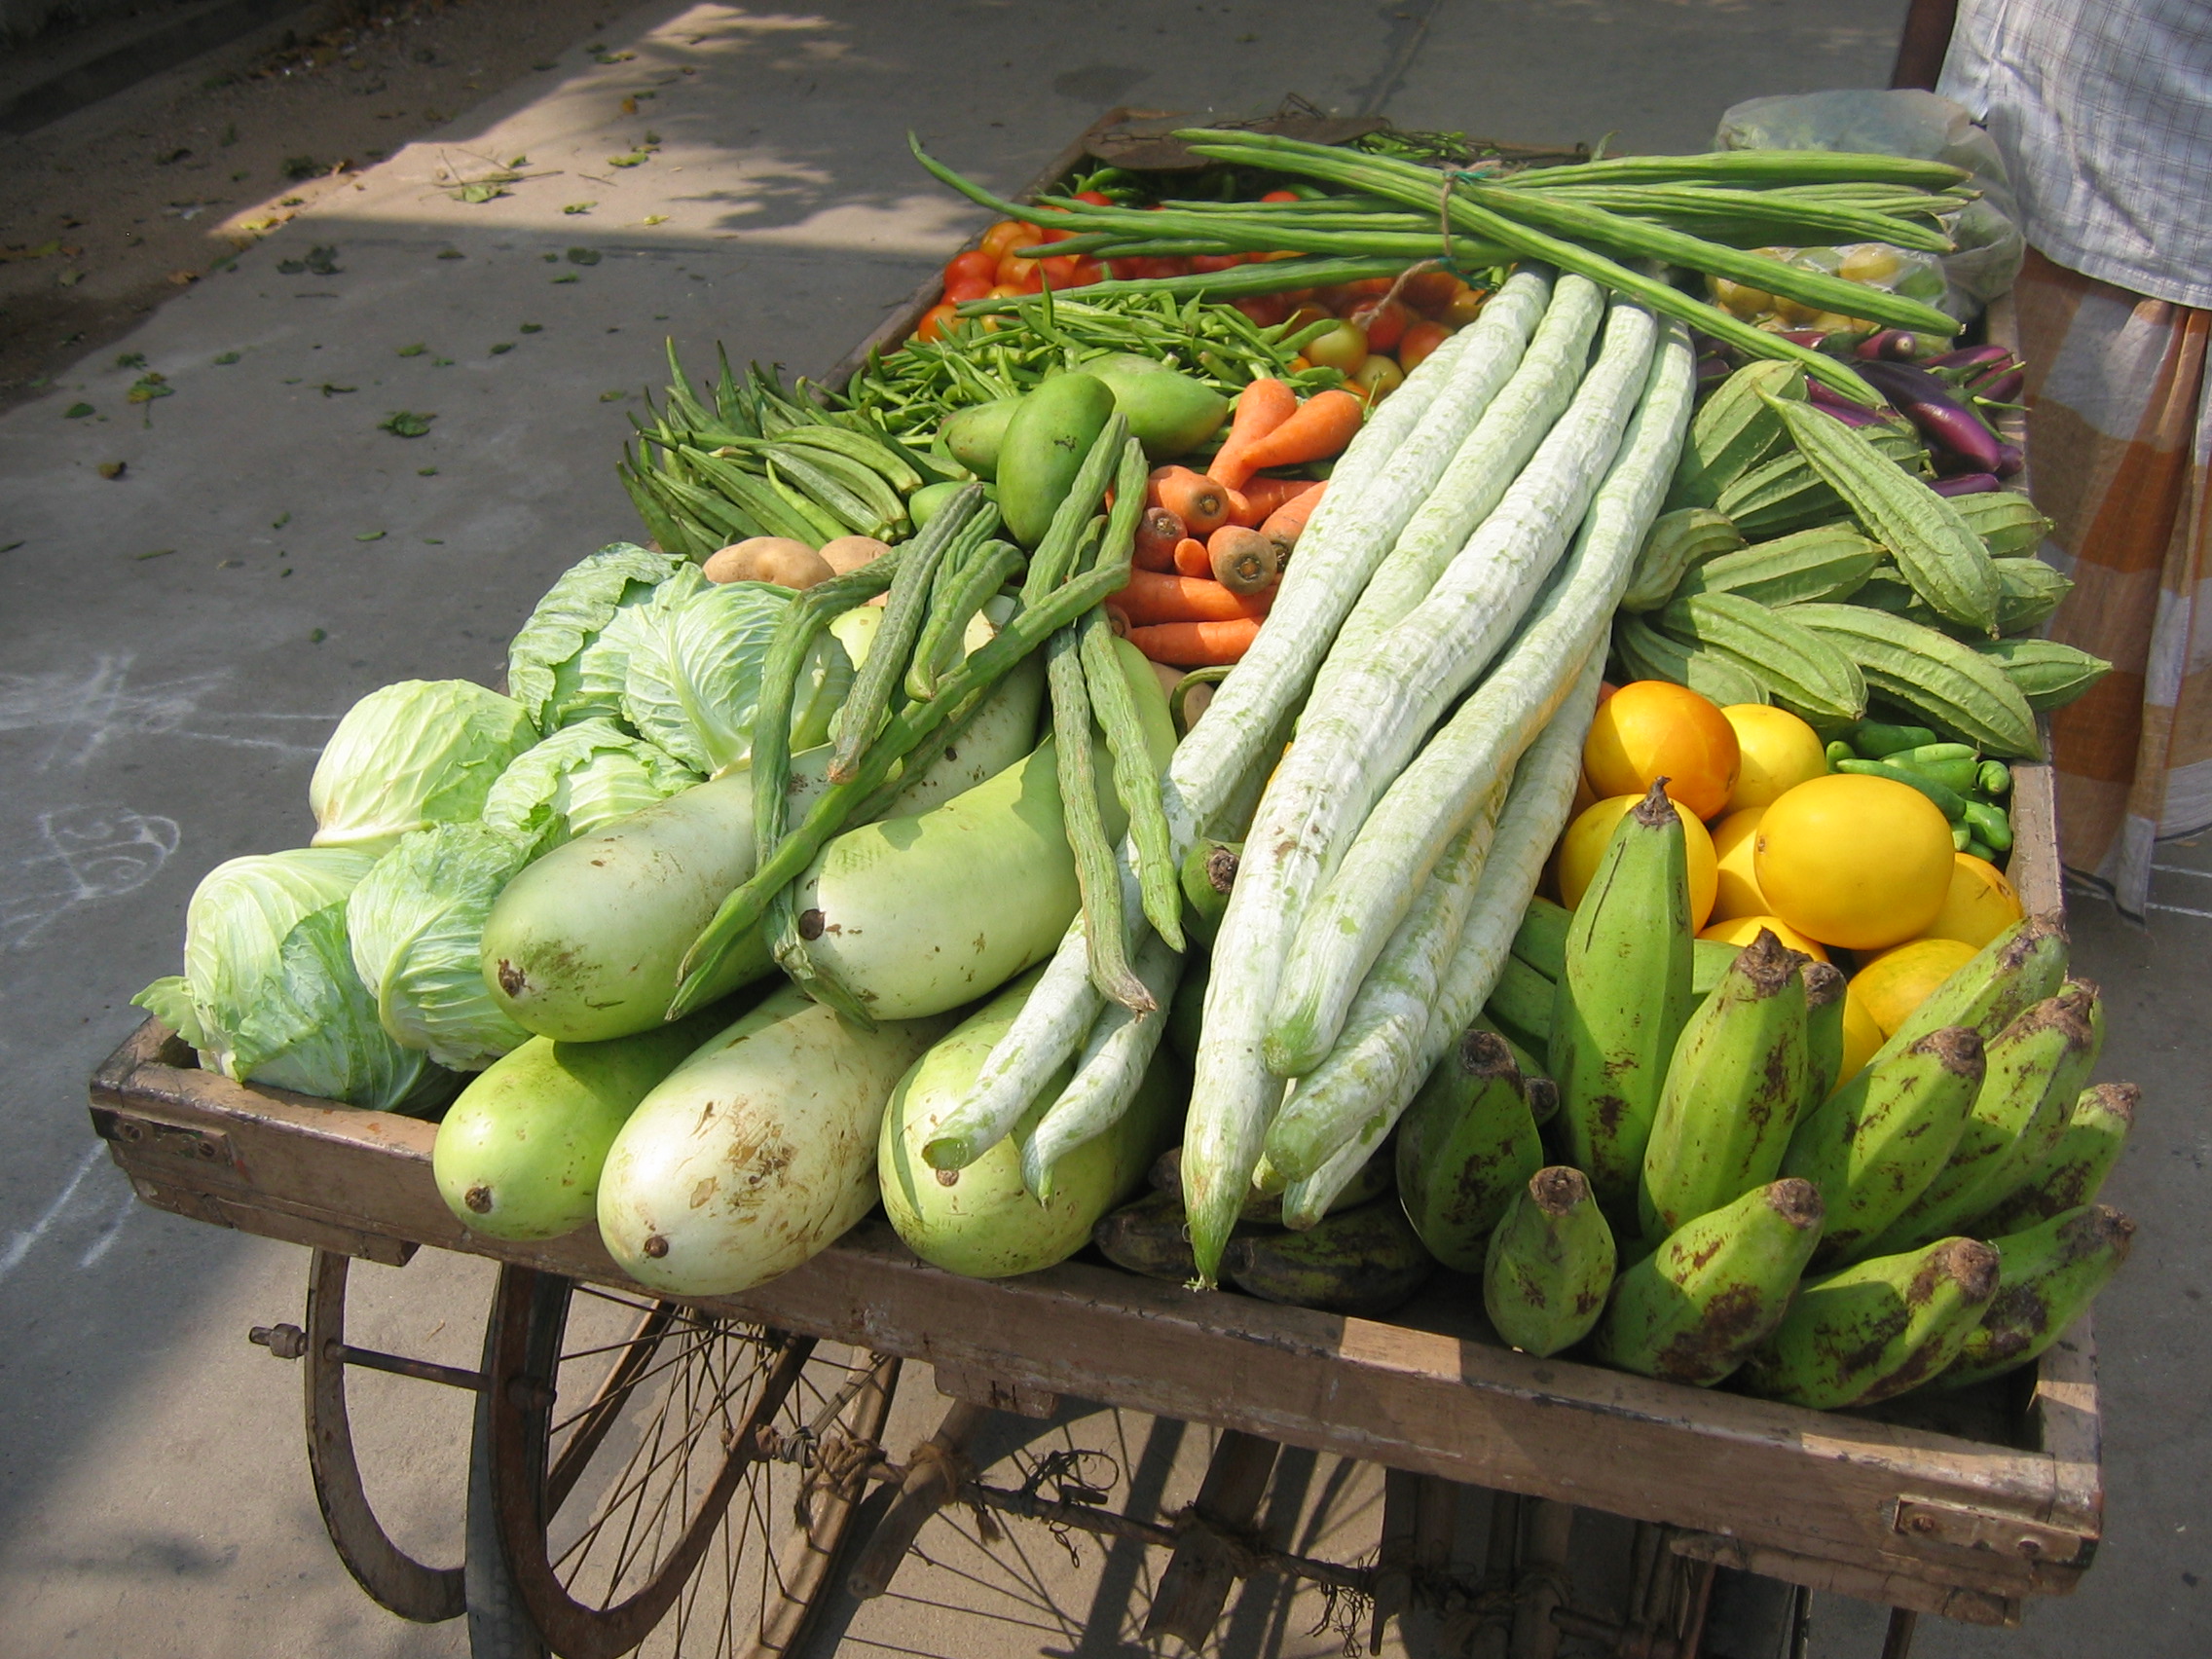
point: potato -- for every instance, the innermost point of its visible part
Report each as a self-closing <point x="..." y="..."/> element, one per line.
<point x="770" y="559"/>
<point x="851" y="552"/>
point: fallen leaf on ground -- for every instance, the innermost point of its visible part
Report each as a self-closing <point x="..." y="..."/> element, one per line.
<point x="157" y="553"/>
<point x="579" y="207"/>
<point x="226" y="359"/>
<point x="414" y="350"/>
<point x="405" y="424"/>
<point x="370" y="535"/>
<point x="532" y="328"/>
<point x="613" y="397"/>
<point x="330" y="391"/>
<point x="584" y="256"/>
<point x="70" y="279"/>
<point x="657" y="218"/>
<point x="76" y="411"/>
<point x="503" y="348"/>
<point x="112" y="468"/>
<point x="636" y="159"/>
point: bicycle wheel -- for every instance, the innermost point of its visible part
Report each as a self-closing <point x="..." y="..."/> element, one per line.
<point x="668" y="1481"/>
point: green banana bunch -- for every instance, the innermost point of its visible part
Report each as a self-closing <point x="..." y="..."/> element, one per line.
<point x="1549" y="1264"/>
<point x="1465" y="1145"/>
<point x="1876" y="1329"/>
<point x="2046" y="1276"/>
<point x="1150" y="1237"/>
<point x="1875" y="1143"/>
<point x="1732" y="1094"/>
<point x="1824" y="1031"/>
<point x="1362" y="1262"/>
<point x="2013" y="973"/>
<point x="2034" y="1071"/>
<point x="1622" y="998"/>
<point x="1263" y="1204"/>
<point x="1693" y="1309"/>
<point x="2074" y="1169"/>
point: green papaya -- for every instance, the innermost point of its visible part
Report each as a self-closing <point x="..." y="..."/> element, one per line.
<point x="518" y="1154"/>
<point x="1048" y="436"/>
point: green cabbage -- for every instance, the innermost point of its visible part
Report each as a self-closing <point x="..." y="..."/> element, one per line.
<point x="691" y="662"/>
<point x="268" y="992"/>
<point x="417" y="922"/>
<point x="545" y="662"/>
<point x="579" y="778"/>
<point x="420" y="752"/>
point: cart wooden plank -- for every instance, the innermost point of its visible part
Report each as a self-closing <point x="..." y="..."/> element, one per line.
<point x="1432" y="1394"/>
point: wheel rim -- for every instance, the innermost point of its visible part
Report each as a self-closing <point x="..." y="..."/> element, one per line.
<point x="661" y="1474"/>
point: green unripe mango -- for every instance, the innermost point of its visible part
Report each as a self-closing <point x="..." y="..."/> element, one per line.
<point x="1047" y="437"/>
<point x="980" y="1221"/>
<point x="1169" y="413"/>
<point x="925" y="504"/>
<point x="973" y="435"/>
<point x="518" y="1154"/>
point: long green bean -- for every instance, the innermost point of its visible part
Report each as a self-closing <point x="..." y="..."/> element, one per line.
<point x="787" y="857"/>
<point x="981" y="576"/>
<point x="1136" y="780"/>
<point x="1097" y="876"/>
<point x="869" y="704"/>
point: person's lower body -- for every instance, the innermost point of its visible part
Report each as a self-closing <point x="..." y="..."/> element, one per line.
<point x="2119" y="442"/>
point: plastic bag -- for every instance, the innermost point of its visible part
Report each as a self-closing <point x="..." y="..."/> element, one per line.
<point x="1904" y="122"/>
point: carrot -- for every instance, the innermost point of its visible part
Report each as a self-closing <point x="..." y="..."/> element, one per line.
<point x="1288" y="523"/>
<point x="1243" y="560"/>
<point x="1150" y="598"/>
<point x="1196" y="500"/>
<point x="1158" y="531"/>
<point x="1192" y="558"/>
<point x="1261" y="407"/>
<point x="1323" y="425"/>
<point x="1269" y="495"/>
<point x="1197" y="644"/>
<point x="1242" y="510"/>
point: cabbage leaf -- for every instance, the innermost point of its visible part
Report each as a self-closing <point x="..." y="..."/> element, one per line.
<point x="579" y="778"/>
<point x="416" y="923"/>
<point x="268" y="992"/>
<point x="691" y="669"/>
<point x="544" y="660"/>
<point x="420" y="752"/>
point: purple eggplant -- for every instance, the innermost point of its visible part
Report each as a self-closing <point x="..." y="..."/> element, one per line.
<point x="1711" y="372"/>
<point x="2010" y="460"/>
<point x="1970" y="357"/>
<point x="1811" y="337"/>
<point x="1967" y="484"/>
<point x="1928" y="402"/>
<point x="2001" y="387"/>
<point x="1888" y="346"/>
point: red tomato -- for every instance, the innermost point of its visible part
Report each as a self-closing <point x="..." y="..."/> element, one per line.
<point x="1425" y="290"/>
<point x="1345" y="295"/>
<point x="1420" y="339"/>
<point x="1281" y="196"/>
<point x="967" y="287"/>
<point x="1060" y="270"/>
<point x="1097" y="198"/>
<point x="1266" y="310"/>
<point x="1208" y="262"/>
<point x="1376" y="377"/>
<point x="1089" y="270"/>
<point x="1384" y="322"/>
<point x="1003" y="238"/>
<point x="972" y="264"/>
<point x="1306" y="314"/>
<point x="935" y="321"/>
<point x="1170" y="265"/>
<point x="1018" y="273"/>
<point x="1463" y="306"/>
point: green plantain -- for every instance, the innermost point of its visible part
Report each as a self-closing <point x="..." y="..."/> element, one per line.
<point x="1549" y="1264"/>
<point x="2035" y="1069"/>
<point x="2046" y="1275"/>
<point x="1150" y="1236"/>
<point x="1733" y="1092"/>
<point x="1693" y="1309"/>
<point x="1824" y="1031"/>
<point x="1622" y="998"/>
<point x="1465" y="1145"/>
<point x="1877" y="1328"/>
<point x="1363" y="1261"/>
<point x="2013" y="973"/>
<point x="2074" y="1169"/>
<point x="1875" y="1143"/>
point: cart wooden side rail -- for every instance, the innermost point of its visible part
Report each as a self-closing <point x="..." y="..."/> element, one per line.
<point x="1891" y="1513"/>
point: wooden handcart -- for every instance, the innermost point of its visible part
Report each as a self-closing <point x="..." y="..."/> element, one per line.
<point x="691" y="1473"/>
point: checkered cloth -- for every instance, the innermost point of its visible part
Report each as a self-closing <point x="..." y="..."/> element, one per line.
<point x="2120" y="440"/>
<point x="2103" y="112"/>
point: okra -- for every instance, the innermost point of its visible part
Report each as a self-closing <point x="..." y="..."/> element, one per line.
<point x="1947" y="802"/>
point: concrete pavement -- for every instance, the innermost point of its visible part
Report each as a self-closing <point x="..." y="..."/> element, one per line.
<point x="186" y="634"/>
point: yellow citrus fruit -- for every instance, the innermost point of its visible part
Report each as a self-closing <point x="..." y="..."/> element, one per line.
<point x="1585" y="798"/>
<point x="1742" y="929"/>
<point x="1979" y="904"/>
<point x="1738" y="893"/>
<point x="1854" y="860"/>
<point x="1592" y="831"/>
<point x="1650" y="729"/>
<point x="1862" y="1036"/>
<point x="1897" y="981"/>
<point x="1777" y="752"/>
